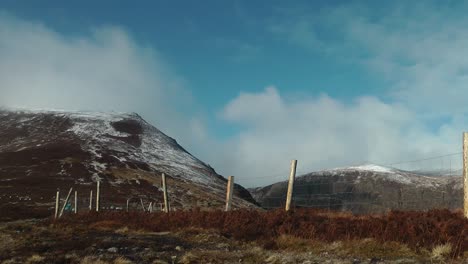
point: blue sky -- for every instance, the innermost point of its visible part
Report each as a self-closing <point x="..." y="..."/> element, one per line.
<point x="330" y="83"/>
<point x="220" y="48"/>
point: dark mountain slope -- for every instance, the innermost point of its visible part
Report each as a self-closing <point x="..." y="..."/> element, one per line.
<point x="45" y="150"/>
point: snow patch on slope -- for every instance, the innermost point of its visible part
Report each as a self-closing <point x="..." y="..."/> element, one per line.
<point x="372" y="171"/>
<point x="372" y="167"/>
<point x="157" y="150"/>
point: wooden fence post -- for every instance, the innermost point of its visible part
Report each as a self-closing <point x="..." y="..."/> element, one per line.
<point x="230" y="189"/>
<point x="142" y="205"/>
<point x="91" y="200"/>
<point x="400" y="198"/>
<point x="465" y="174"/>
<point x="150" y="207"/>
<point x="128" y="201"/>
<point x="57" y="203"/>
<point x="292" y="175"/>
<point x="76" y="202"/>
<point x="97" y="195"/>
<point x="166" y="199"/>
<point x="66" y="202"/>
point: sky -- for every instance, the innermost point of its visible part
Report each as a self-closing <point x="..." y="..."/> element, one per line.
<point x="247" y="86"/>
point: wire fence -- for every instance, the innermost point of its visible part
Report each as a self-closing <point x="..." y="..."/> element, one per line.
<point x="416" y="184"/>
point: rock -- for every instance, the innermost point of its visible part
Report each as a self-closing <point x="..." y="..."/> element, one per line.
<point x="112" y="250"/>
<point x="223" y="245"/>
<point x="179" y="248"/>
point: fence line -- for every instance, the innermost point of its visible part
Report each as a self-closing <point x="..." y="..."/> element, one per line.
<point x="326" y="190"/>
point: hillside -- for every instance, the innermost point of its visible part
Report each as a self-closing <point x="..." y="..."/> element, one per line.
<point x="41" y="151"/>
<point x="366" y="189"/>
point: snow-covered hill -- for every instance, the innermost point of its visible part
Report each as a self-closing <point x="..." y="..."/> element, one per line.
<point x="367" y="188"/>
<point x="44" y="150"/>
<point x="390" y="174"/>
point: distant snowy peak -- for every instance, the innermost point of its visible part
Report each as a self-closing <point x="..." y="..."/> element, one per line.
<point x="371" y="167"/>
<point x="378" y="172"/>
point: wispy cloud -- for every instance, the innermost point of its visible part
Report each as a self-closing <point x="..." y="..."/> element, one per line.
<point x="418" y="48"/>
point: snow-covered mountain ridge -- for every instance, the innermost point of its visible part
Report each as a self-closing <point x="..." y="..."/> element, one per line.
<point x="126" y="135"/>
<point x="391" y="174"/>
<point x="366" y="189"/>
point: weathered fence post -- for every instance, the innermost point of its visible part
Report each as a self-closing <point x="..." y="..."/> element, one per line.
<point x="91" y="200"/>
<point x="292" y="175"/>
<point x="230" y="189"/>
<point x="57" y="202"/>
<point x="400" y="198"/>
<point x="150" y="207"/>
<point x="97" y="195"/>
<point x="128" y="201"/>
<point x="76" y="202"/>
<point x="465" y="174"/>
<point x="142" y="205"/>
<point x="66" y="202"/>
<point x="166" y="199"/>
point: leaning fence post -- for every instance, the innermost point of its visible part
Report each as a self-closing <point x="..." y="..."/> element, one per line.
<point x="230" y="188"/>
<point x="91" y="200"/>
<point x="292" y="175"/>
<point x="166" y="200"/>
<point x="66" y="202"/>
<point x="57" y="202"/>
<point x="76" y="202"/>
<point x="142" y="205"/>
<point x="465" y="174"/>
<point x="97" y="195"/>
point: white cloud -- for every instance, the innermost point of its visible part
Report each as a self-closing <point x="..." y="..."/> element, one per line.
<point x="104" y="70"/>
<point x="418" y="49"/>
<point x="324" y="133"/>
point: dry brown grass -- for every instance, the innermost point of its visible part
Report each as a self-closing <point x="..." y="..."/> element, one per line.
<point x="417" y="230"/>
<point x="122" y="260"/>
<point x="106" y="225"/>
<point x="35" y="259"/>
<point x="67" y="243"/>
<point x="369" y="248"/>
<point x="441" y="251"/>
<point x="92" y="260"/>
<point x="292" y="243"/>
<point x="122" y="230"/>
<point x="365" y="248"/>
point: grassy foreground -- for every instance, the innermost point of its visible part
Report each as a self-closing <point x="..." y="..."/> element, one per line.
<point x="300" y="236"/>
